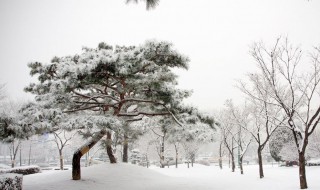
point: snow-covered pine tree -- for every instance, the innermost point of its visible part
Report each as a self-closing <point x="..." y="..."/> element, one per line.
<point x="107" y="80"/>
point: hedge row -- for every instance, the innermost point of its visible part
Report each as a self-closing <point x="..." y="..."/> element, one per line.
<point x="25" y="170"/>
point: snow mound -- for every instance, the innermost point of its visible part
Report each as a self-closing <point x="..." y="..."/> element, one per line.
<point x="104" y="176"/>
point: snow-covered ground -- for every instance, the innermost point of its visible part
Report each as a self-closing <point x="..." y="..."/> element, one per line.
<point x="127" y="176"/>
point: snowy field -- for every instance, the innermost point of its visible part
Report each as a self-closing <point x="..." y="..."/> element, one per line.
<point x="131" y="177"/>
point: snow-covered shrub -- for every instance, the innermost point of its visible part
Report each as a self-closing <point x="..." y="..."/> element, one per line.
<point x="11" y="181"/>
<point x="204" y="162"/>
<point x="25" y="170"/>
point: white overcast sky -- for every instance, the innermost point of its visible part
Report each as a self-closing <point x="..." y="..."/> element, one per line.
<point x="214" y="34"/>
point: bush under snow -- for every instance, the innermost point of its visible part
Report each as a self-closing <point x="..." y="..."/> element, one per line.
<point x="25" y="170"/>
<point x="11" y="181"/>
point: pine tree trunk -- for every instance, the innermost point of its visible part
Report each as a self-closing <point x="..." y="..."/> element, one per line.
<point x="302" y="171"/>
<point x="261" y="175"/>
<point x="111" y="156"/>
<point x="61" y="159"/>
<point x="125" y="149"/>
<point x="76" y="167"/>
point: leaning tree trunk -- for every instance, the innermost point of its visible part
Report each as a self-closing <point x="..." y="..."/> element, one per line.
<point x="260" y="162"/>
<point x="76" y="168"/>
<point x="111" y="156"/>
<point x="302" y="171"/>
<point x="125" y="149"/>
<point x="61" y="159"/>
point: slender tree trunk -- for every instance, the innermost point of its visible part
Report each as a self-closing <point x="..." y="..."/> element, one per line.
<point x="176" y="158"/>
<point x="188" y="163"/>
<point x="241" y="164"/>
<point x="111" y="156"/>
<point x="229" y="160"/>
<point x="29" y="154"/>
<point x="162" y="154"/>
<point x="20" y="157"/>
<point x="125" y="149"/>
<point x="302" y="171"/>
<point x="220" y="155"/>
<point x="260" y="162"/>
<point x="76" y="167"/>
<point x="61" y="159"/>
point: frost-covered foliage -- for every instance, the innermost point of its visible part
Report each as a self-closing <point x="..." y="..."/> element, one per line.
<point x="11" y="181"/>
<point x="24" y="170"/>
<point x="10" y="123"/>
<point x="127" y="82"/>
<point x="281" y="139"/>
<point x="109" y="80"/>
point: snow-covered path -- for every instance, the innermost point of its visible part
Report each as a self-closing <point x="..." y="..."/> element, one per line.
<point x="131" y="177"/>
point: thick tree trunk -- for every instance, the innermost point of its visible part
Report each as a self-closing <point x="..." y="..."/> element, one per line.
<point x="111" y="156"/>
<point x="233" y="165"/>
<point x="13" y="163"/>
<point x="261" y="175"/>
<point x="302" y="171"/>
<point x="76" y="167"/>
<point x="61" y="159"/>
<point x="240" y="164"/>
<point x="125" y="149"/>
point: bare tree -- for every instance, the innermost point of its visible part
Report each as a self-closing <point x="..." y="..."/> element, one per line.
<point x="191" y="149"/>
<point x="294" y="93"/>
<point x="14" y="147"/>
<point x="61" y="139"/>
<point x="161" y="136"/>
<point x="229" y="141"/>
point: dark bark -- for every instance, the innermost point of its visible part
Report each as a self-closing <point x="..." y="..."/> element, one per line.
<point x="188" y="164"/>
<point x="260" y="162"/>
<point x="240" y="164"/>
<point x="111" y="156"/>
<point x="302" y="171"/>
<point x="177" y="154"/>
<point x="220" y="155"/>
<point x="162" y="154"/>
<point x="233" y="165"/>
<point x="125" y="149"/>
<point x="76" y="167"/>
<point x="61" y="159"/>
